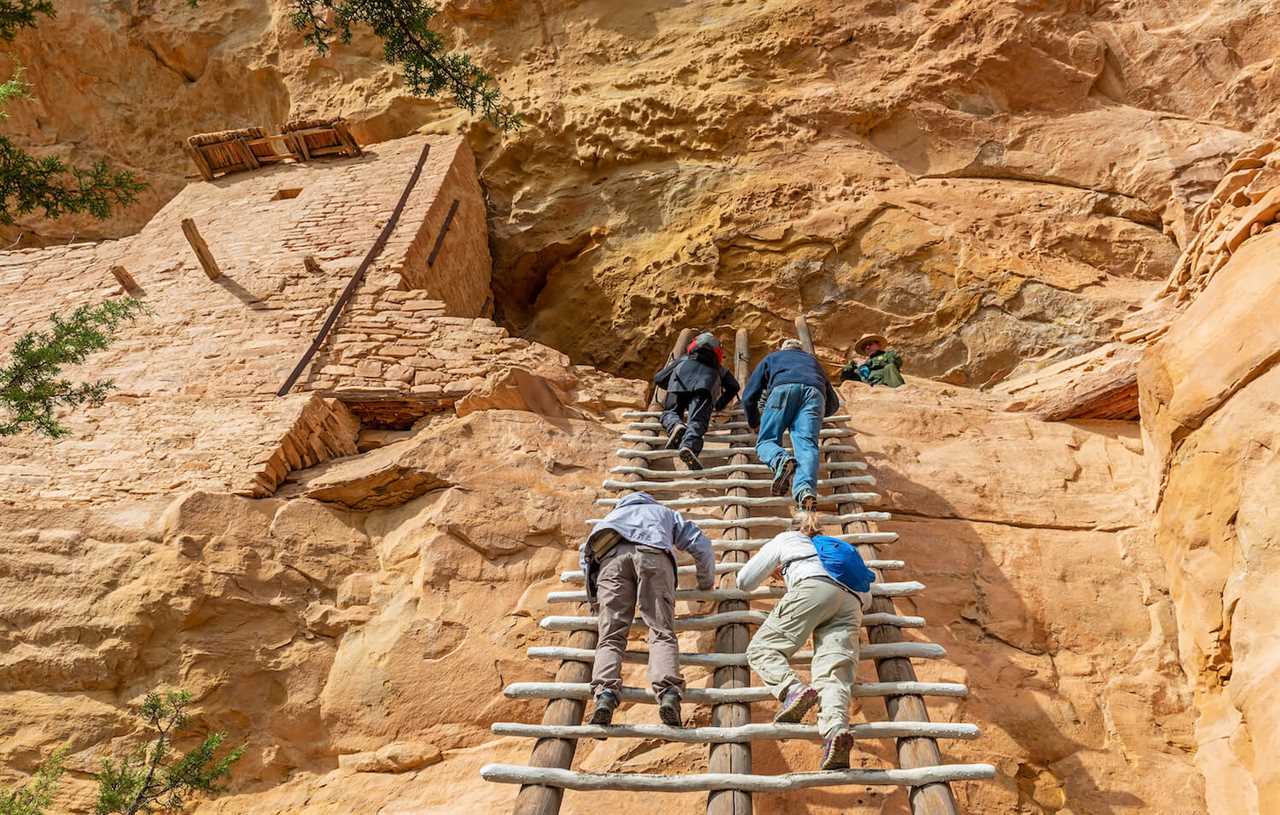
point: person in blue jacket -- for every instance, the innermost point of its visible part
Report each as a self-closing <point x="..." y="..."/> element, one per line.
<point x="796" y="397"/>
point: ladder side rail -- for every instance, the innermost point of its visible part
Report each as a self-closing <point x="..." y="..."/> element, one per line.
<point x="913" y="753"/>
<point x="557" y="753"/>
<point x="733" y="639"/>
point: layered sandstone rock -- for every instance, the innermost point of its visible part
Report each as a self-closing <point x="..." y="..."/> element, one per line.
<point x="992" y="184"/>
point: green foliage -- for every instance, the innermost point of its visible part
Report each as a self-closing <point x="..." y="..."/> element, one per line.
<point x="38" y="793"/>
<point x="30" y="387"/>
<point x="404" y="26"/>
<point x="15" y="87"/>
<point x="149" y="780"/>
<point x="15" y="14"/>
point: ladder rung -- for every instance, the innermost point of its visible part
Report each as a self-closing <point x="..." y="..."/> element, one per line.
<point x="903" y="589"/>
<point x="904" y="650"/>
<point x="745" y="733"/>
<point x="576" y="576"/>
<point x="744" y="438"/>
<point x="730" y="469"/>
<point x="708" y="622"/>
<point x="705" y="782"/>
<point x="750" y="501"/>
<point x="720" y="696"/>
<point x="690" y="484"/>
<point x="717" y="452"/>
<point x="776" y="523"/>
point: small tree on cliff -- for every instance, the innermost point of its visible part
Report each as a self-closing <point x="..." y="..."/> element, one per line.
<point x="31" y="389"/>
<point x="49" y="184"/>
<point x="149" y="780"/>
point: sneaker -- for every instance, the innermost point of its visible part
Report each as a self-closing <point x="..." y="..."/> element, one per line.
<point x="690" y="459"/>
<point x="669" y="709"/>
<point x="606" y="704"/>
<point x="796" y="704"/>
<point x="676" y="436"/>
<point x="808" y="502"/>
<point x="782" y="481"/>
<point x="835" y="751"/>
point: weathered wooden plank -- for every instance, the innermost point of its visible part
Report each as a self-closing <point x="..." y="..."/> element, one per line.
<point x="636" y="782"/>
<point x="435" y="251"/>
<point x="905" y="650"/>
<point x="715" y="696"/>
<point x="126" y="281"/>
<point x="727" y="469"/>
<point x="742" y="438"/>
<point x="749" y="501"/>
<point x="776" y="523"/>
<point x="576" y="576"/>
<point x="741" y="734"/>
<point x="690" y="484"/>
<point x="198" y="245"/>
<point x="707" y="622"/>
<point x="712" y="452"/>
<point x="903" y="589"/>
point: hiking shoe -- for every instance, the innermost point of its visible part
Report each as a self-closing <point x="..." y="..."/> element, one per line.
<point x="676" y="436"/>
<point x="690" y="459"/>
<point x="782" y="481"/>
<point x="796" y="704"/>
<point x="808" y="502"/>
<point x="669" y="709"/>
<point x="606" y="704"/>
<point x="835" y="751"/>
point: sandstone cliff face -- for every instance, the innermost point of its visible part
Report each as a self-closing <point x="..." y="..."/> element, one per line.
<point x="1210" y="391"/>
<point x="992" y="183"/>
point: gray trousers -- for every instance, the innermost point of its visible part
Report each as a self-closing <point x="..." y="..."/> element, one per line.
<point x="833" y="617"/>
<point x="637" y="578"/>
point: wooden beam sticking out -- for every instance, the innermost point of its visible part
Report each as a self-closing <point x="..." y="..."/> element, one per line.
<point x="201" y="249"/>
<point x="126" y="281"/>
<point x="312" y="266"/>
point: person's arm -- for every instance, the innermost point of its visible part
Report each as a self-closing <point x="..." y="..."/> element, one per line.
<point x="663" y="378"/>
<point x="582" y="557"/>
<point x="849" y="373"/>
<point x="729" y="388"/>
<point x="833" y="400"/>
<point x="754" y="571"/>
<point x="751" y="394"/>
<point x="690" y="538"/>
<point x="892" y="357"/>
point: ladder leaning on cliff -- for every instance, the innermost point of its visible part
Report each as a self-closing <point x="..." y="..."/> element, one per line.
<point x="730" y="782"/>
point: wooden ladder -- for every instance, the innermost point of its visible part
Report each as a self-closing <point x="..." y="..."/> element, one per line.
<point x="728" y="482"/>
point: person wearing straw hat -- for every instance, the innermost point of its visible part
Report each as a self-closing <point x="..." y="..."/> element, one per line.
<point x="881" y="367"/>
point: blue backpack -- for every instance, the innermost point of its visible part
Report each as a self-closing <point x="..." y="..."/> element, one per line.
<point x="843" y="563"/>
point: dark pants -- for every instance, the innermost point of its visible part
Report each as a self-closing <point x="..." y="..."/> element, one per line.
<point x="694" y="409"/>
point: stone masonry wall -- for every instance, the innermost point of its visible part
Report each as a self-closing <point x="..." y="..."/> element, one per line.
<point x="195" y="405"/>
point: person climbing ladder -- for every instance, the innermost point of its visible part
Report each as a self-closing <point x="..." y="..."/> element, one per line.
<point x="629" y="563"/>
<point x="697" y="384"/>
<point x="797" y="397"/>
<point x="828" y="588"/>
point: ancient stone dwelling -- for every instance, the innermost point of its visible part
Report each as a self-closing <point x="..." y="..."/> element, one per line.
<point x="197" y="377"/>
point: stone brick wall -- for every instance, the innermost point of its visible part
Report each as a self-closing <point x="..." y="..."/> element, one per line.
<point x="195" y="403"/>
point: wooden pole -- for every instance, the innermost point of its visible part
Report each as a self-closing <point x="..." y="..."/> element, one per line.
<point x="733" y="639"/>
<point x="933" y="798"/>
<point x="557" y="753"/>
<point x="201" y="249"/>
<point x="126" y="281"/>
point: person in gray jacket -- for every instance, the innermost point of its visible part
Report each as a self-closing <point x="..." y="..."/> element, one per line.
<point x="629" y="562"/>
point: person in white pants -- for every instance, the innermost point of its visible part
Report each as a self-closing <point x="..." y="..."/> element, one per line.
<point x="814" y="605"/>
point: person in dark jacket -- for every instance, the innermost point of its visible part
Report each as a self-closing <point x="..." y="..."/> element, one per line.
<point x="797" y="397"/>
<point x="882" y="366"/>
<point x="696" y="384"/>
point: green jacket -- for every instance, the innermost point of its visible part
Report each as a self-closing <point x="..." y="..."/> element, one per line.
<point x="881" y="369"/>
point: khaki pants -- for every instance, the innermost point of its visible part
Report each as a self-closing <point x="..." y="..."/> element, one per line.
<point x="635" y="576"/>
<point x="833" y="616"/>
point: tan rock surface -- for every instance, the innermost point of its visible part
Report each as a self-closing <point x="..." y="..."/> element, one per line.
<point x="1210" y="391"/>
<point x="987" y="182"/>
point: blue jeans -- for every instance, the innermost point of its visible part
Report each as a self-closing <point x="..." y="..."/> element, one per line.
<point x="798" y="408"/>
